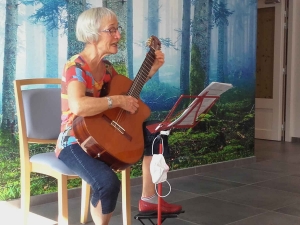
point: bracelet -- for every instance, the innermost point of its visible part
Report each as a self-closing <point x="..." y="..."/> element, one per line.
<point x="110" y="102"/>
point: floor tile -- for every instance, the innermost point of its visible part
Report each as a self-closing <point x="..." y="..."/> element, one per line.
<point x="208" y="211"/>
<point x="274" y="166"/>
<point x="269" y="218"/>
<point x="259" y="197"/>
<point x="293" y="209"/>
<point x="286" y="183"/>
<point x="202" y="185"/>
<point x="242" y="175"/>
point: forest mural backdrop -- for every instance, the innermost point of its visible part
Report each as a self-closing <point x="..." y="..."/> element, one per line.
<point x="203" y="41"/>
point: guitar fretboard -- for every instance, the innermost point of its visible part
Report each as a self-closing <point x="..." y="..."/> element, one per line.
<point x="141" y="76"/>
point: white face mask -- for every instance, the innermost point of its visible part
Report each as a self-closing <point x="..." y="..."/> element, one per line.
<point x="158" y="168"/>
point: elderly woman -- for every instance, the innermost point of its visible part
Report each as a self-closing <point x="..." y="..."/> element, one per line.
<point x="82" y="95"/>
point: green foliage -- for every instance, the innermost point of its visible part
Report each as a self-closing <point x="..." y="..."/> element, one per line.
<point x="9" y="178"/>
<point x="9" y="165"/>
<point x="40" y="148"/>
<point x="121" y="69"/>
<point x="9" y="145"/>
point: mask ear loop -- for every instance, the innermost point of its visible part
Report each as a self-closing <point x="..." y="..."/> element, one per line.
<point x="162" y="196"/>
<point x="162" y="144"/>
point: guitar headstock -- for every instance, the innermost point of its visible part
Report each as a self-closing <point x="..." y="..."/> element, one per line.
<point x="154" y="42"/>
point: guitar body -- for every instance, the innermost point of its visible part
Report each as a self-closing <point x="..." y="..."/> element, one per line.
<point x="114" y="136"/>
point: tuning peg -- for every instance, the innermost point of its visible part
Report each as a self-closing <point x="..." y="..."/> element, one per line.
<point x="149" y="41"/>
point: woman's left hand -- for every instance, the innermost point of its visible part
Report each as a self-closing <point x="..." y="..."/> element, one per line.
<point x="158" y="62"/>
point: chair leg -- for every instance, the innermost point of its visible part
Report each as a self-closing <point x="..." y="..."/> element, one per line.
<point x="25" y="195"/>
<point x="85" y="199"/>
<point x="62" y="200"/>
<point x="126" y="204"/>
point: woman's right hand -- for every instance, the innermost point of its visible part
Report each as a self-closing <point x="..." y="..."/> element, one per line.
<point x="129" y="103"/>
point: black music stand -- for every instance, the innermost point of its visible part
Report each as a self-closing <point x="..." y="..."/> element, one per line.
<point x="187" y="118"/>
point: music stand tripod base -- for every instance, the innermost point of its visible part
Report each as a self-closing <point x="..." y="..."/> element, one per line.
<point x="150" y="216"/>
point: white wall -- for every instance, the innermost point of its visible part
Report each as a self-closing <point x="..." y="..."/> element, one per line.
<point x="293" y="72"/>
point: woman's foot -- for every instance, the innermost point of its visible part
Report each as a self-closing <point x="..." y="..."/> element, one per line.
<point x="166" y="208"/>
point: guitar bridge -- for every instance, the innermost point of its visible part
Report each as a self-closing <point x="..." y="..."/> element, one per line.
<point x="117" y="127"/>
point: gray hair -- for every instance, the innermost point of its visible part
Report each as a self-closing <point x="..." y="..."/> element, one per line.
<point x="89" y="23"/>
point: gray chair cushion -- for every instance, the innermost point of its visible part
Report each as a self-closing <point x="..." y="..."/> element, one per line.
<point x="42" y="112"/>
<point x="52" y="161"/>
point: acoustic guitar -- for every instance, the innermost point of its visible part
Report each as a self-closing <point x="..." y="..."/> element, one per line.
<point x="116" y="136"/>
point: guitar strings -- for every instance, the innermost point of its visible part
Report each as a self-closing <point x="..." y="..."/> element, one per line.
<point x="139" y="80"/>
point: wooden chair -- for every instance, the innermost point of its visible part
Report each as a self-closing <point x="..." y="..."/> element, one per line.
<point x="39" y="111"/>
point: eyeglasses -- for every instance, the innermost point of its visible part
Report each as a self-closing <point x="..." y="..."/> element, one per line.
<point x="113" y="30"/>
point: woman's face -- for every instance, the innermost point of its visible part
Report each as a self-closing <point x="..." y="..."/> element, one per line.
<point x="109" y="36"/>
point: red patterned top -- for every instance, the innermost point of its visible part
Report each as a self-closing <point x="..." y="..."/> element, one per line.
<point x="77" y="69"/>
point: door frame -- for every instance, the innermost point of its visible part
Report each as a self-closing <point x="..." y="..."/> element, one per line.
<point x="276" y="104"/>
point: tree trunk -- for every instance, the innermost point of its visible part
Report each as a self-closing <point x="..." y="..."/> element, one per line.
<point x="129" y="39"/>
<point x="153" y="20"/>
<point x="9" y="66"/>
<point x="220" y="66"/>
<point x="120" y="9"/>
<point x="185" y="48"/>
<point x="74" y="9"/>
<point x="201" y="40"/>
<point x="51" y="54"/>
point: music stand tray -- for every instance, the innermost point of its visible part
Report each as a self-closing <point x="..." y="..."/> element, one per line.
<point x="191" y="115"/>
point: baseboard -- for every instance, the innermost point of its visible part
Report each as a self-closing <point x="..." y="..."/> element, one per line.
<point x="76" y="192"/>
<point x="296" y="139"/>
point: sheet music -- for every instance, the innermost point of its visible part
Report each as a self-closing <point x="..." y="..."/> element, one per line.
<point x="214" y="89"/>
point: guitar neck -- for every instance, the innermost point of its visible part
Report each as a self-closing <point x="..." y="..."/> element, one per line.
<point x="141" y="77"/>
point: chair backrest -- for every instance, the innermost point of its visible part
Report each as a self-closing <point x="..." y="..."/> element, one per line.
<point x="38" y="111"/>
<point x="42" y="112"/>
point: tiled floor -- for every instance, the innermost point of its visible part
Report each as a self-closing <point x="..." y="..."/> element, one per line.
<point x="263" y="193"/>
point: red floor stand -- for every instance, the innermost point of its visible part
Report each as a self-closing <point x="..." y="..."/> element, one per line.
<point x="191" y="114"/>
<point x="186" y="118"/>
<point x="160" y="218"/>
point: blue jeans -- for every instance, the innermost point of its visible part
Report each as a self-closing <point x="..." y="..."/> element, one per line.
<point x="103" y="180"/>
